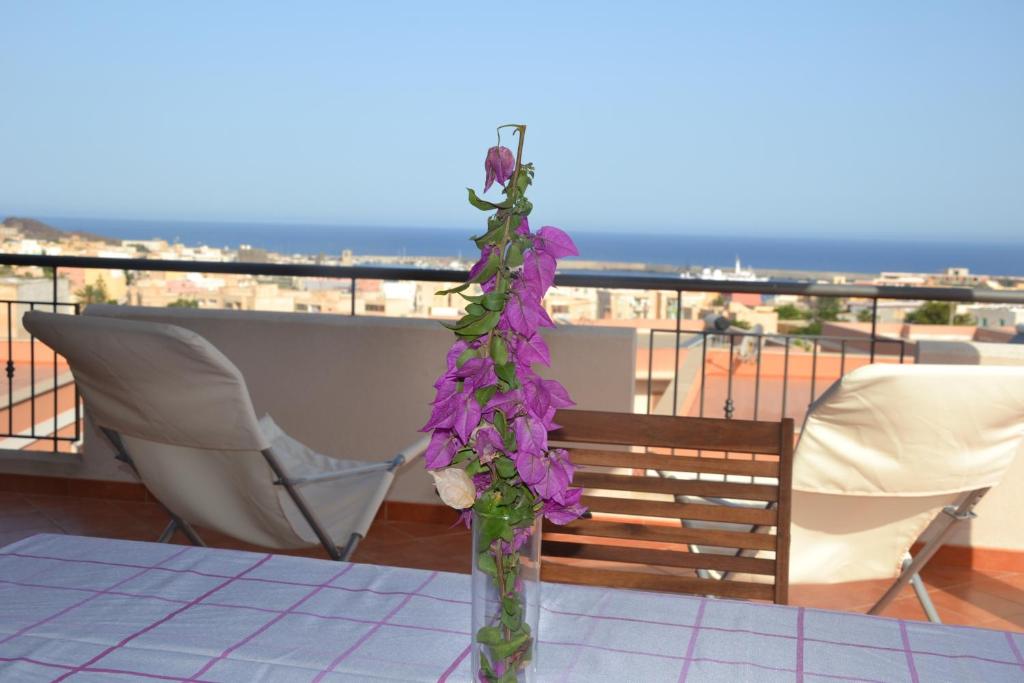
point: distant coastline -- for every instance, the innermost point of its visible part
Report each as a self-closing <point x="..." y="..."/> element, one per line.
<point x="664" y="252"/>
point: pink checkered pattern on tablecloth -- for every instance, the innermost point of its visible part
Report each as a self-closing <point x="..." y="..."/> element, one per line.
<point x="87" y="609"/>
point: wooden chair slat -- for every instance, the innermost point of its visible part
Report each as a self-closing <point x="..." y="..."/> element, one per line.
<point x="666" y="534"/>
<point x="627" y="429"/>
<point x="628" y="532"/>
<point x="695" y="511"/>
<point x="656" y="582"/>
<point x="662" y="558"/>
<point x="682" y="487"/>
<point x="674" y="463"/>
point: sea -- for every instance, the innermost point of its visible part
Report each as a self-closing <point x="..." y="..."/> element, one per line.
<point x="814" y="254"/>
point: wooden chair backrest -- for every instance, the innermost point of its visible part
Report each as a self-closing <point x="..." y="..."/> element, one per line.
<point x="730" y="459"/>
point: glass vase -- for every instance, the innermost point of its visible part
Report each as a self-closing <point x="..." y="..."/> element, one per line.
<point x="506" y="599"/>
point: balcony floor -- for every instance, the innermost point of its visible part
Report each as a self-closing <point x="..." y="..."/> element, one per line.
<point x="963" y="596"/>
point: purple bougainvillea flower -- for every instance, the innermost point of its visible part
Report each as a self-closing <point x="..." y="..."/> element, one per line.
<point x="482" y="482"/>
<point x="506" y="402"/>
<point x="532" y="349"/>
<point x="555" y="242"/>
<point x="538" y="273"/>
<point x="485" y="256"/>
<point x="531" y="436"/>
<point x="441" y="450"/>
<point x="466" y="416"/>
<point x="453" y="355"/>
<point x="498" y="165"/>
<point x="524" y="226"/>
<point x="488" y="444"/>
<point x="523" y="314"/>
<point x="477" y="373"/>
<point x="563" y="513"/>
<point x="556" y="474"/>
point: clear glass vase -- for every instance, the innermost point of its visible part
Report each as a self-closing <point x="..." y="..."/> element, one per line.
<point x="506" y="599"/>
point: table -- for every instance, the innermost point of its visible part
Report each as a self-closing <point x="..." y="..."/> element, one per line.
<point x="92" y="609"/>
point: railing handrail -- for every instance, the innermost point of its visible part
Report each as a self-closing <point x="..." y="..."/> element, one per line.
<point x="603" y="281"/>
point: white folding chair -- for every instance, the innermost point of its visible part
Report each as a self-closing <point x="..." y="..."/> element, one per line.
<point x="179" y="413"/>
<point x="889" y="452"/>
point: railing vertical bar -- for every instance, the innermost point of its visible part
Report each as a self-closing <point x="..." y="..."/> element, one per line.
<point x="874" y="326"/>
<point x="650" y="368"/>
<point x="785" y="377"/>
<point x="903" y="350"/>
<point x="703" y="370"/>
<point x="730" y="369"/>
<point x="675" y="370"/>
<point x="814" y="368"/>
<point x="352" y="312"/>
<point x="757" y="376"/>
<point x="10" y="372"/>
<point x="56" y="430"/>
<point x="32" y="374"/>
<point x="78" y="399"/>
<point x="842" y="358"/>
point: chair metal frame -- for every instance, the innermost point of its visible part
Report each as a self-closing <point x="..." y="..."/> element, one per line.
<point x="290" y="484"/>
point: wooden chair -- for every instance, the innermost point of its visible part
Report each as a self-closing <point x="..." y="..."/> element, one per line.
<point x="637" y="535"/>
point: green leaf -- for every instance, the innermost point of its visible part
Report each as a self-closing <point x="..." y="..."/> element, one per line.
<point x="475" y="467"/>
<point x="496" y="527"/>
<point x="511" y="621"/>
<point x="493" y="301"/>
<point x="489" y="635"/>
<point x="478" y="327"/>
<point x="510" y="441"/>
<point x="514" y="258"/>
<point x="500" y="422"/>
<point x="507" y="647"/>
<point x="461" y="322"/>
<point x="483" y="395"/>
<point x="462" y="455"/>
<point x="485" y="205"/>
<point x="492" y="236"/>
<point x="506" y="468"/>
<point x="475" y="309"/>
<point x="454" y="290"/>
<point x="510" y="605"/>
<point x="486" y="564"/>
<point x="506" y="372"/>
<point x="499" y="350"/>
<point x="464" y="356"/>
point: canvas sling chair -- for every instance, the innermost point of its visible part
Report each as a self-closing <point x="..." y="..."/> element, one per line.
<point x="178" y="412"/>
<point x="891" y="456"/>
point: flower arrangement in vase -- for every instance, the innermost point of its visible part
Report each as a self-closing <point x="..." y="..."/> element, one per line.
<point x="491" y="416"/>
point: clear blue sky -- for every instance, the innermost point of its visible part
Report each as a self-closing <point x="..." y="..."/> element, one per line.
<point x="902" y="119"/>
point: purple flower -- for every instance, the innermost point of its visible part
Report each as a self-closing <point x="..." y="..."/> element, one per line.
<point x="555" y="242"/>
<point x="524" y="226"/>
<point x="538" y="273"/>
<point x="485" y="256"/>
<point x="441" y="450"/>
<point x="499" y="165"/>
<point x="488" y="444"/>
<point x="565" y="512"/>
<point x="477" y="373"/>
<point x="532" y="349"/>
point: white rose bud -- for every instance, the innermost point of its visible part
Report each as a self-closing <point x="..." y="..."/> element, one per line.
<point x="455" y="487"/>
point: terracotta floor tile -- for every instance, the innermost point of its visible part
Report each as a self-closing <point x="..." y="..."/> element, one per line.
<point x="962" y="596"/>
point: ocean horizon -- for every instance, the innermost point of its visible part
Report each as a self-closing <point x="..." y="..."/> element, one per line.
<point x="680" y="250"/>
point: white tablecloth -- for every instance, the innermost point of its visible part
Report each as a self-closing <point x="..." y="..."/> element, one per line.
<point x="89" y="609"/>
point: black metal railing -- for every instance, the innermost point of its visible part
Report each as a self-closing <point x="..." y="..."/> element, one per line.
<point x="735" y="341"/>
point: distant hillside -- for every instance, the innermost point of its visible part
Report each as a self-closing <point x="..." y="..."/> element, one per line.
<point x="37" y="230"/>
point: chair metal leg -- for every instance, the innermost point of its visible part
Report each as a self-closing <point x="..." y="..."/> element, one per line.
<point x="176" y="521"/>
<point x="926" y="600"/>
<point x="953" y="516"/>
<point x="350" y="547"/>
<point x="300" y="503"/>
<point x="168" y="532"/>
